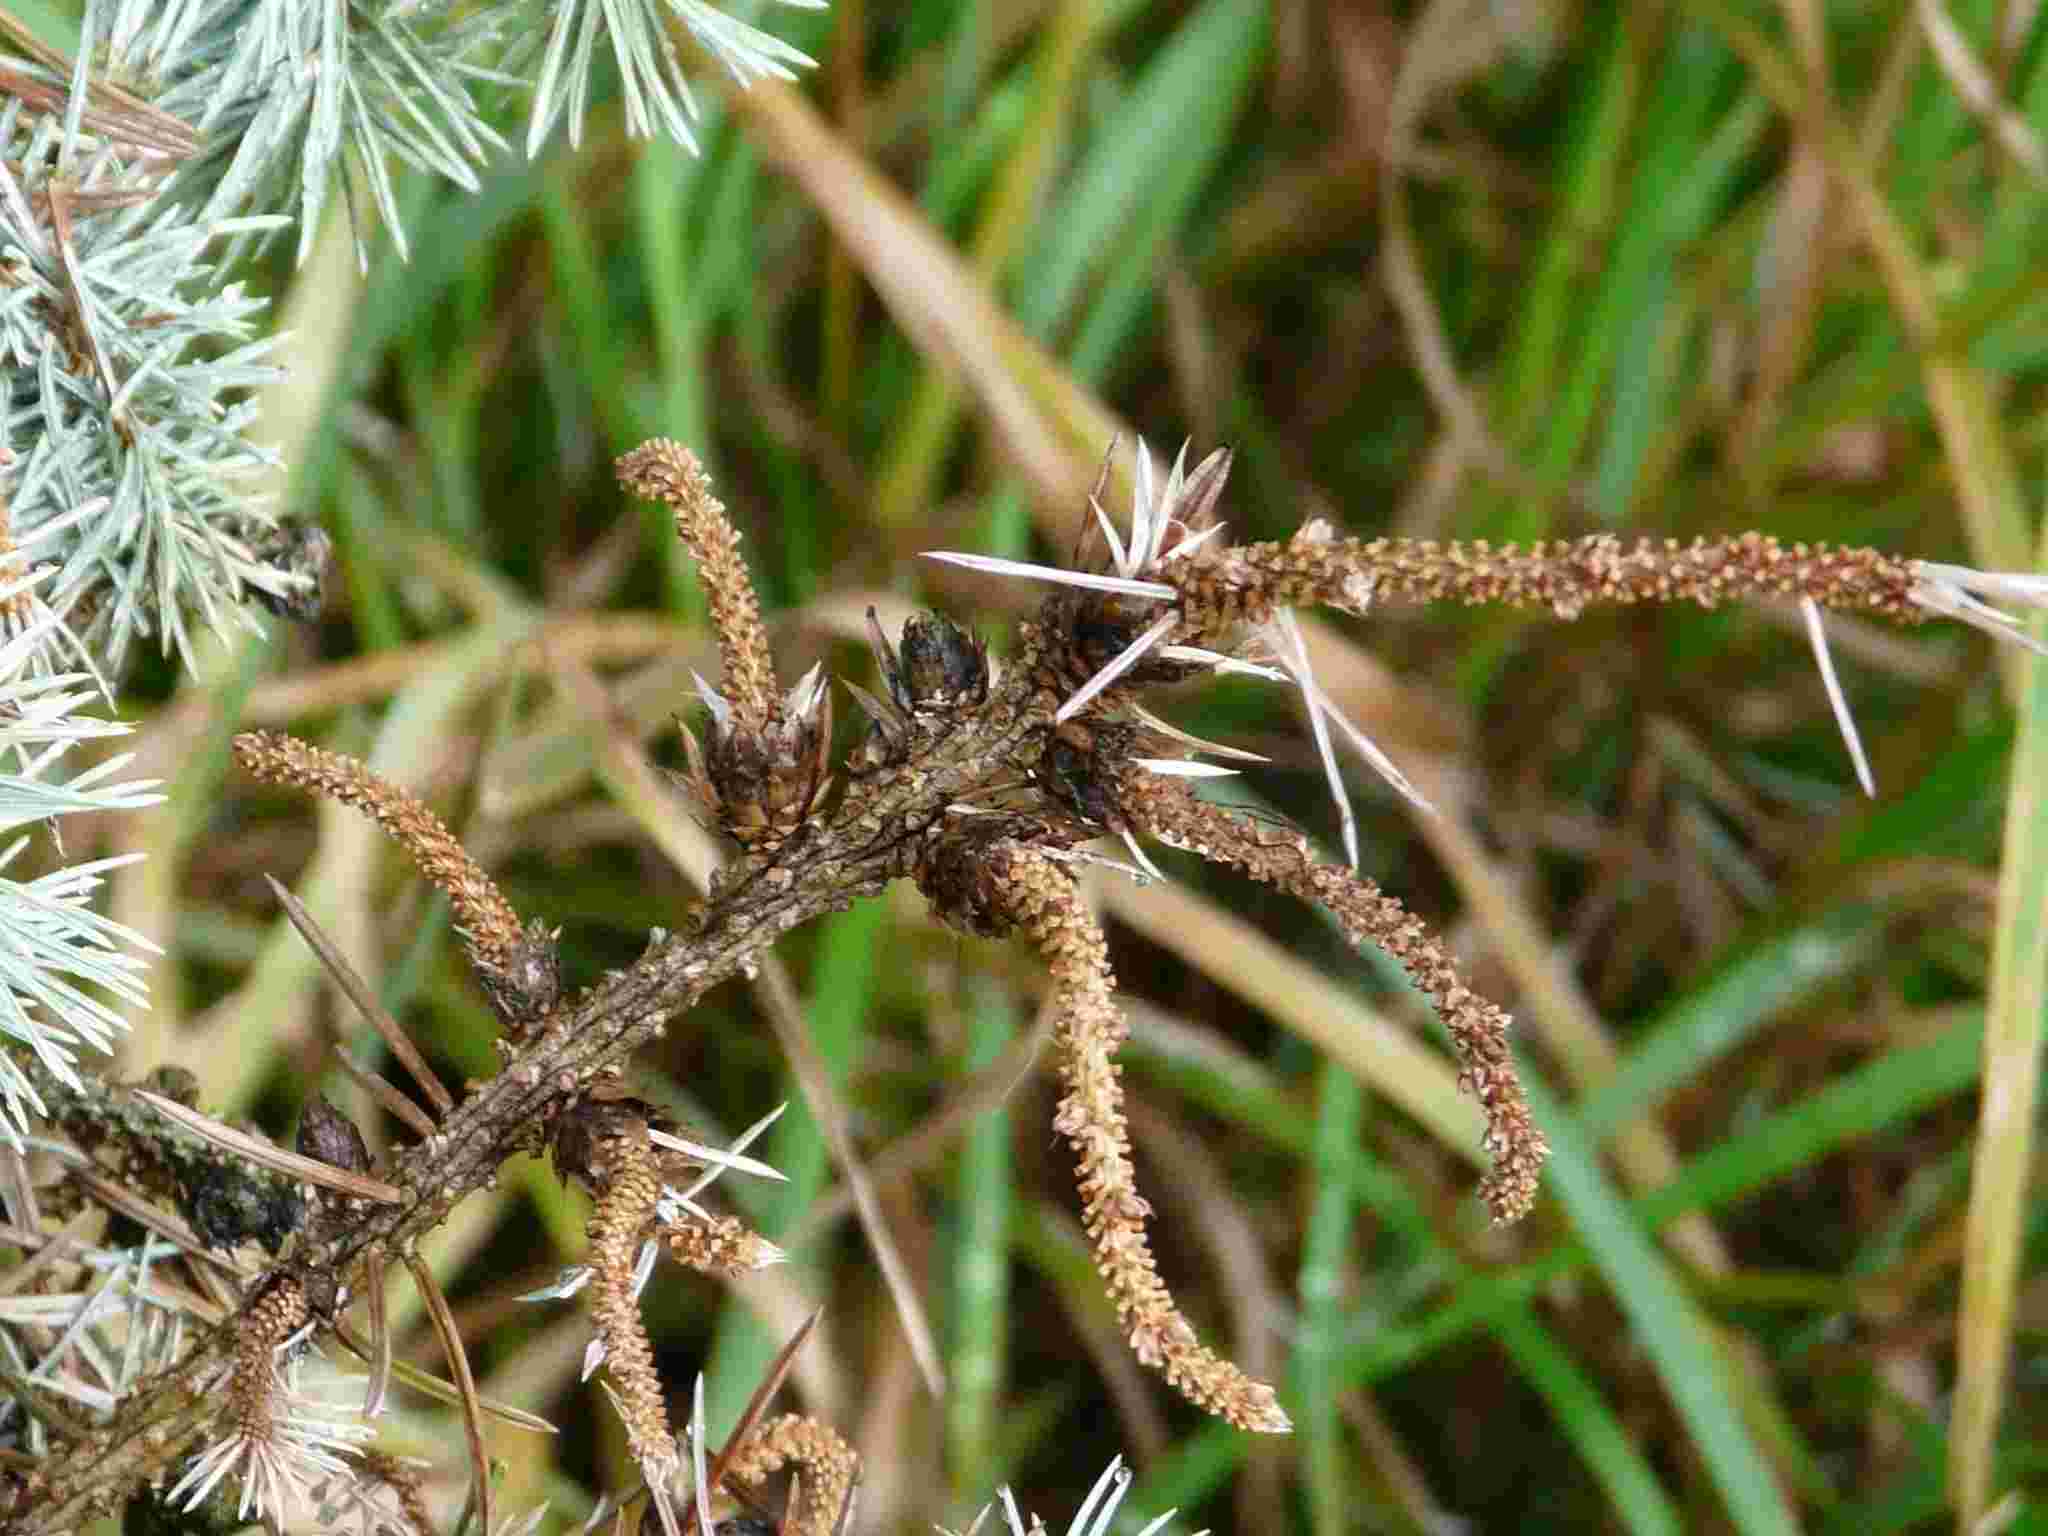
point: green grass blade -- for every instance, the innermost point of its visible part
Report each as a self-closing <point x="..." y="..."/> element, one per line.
<point x="1320" y="1285"/>
<point x="1192" y="88"/>
<point x="983" y="1198"/>
<point x="926" y="428"/>
<point x="2013" y="1030"/>
<point x="1548" y="320"/>
<point x="1598" y="1436"/>
<point x="1665" y="1322"/>
<point x="1696" y="1030"/>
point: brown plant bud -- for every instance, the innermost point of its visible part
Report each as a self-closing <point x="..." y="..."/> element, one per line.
<point x="963" y="869"/>
<point x="524" y="981"/>
<point x="585" y="1136"/>
<point x="1080" y="769"/>
<point x="763" y="783"/>
<point x="326" y="1133"/>
<point x="944" y="666"/>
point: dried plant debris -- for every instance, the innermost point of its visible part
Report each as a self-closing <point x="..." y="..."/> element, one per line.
<point x="985" y="787"/>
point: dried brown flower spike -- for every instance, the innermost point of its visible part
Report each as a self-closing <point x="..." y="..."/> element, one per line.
<point x="762" y="774"/>
<point x="277" y="1442"/>
<point x="1478" y="1028"/>
<point x="516" y="963"/>
<point x="608" y="1145"/>
<point x="827" y="1471"/>
<point x="1020" y="887"/>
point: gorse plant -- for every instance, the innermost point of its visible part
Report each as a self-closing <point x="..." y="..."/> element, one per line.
<point x="985" y="786"/>
<point x="195" y="1332"/>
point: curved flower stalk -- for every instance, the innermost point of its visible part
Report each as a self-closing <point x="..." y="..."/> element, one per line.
<point x="827" y="1471"/>
<point x="1478" y="1028"/>
<point x="1005" y="884"/>
<point x="516" y="962"/>
<point x="697" y="1238"/>
<point x="609" y="1142"/>
<point x="764" y="774"/>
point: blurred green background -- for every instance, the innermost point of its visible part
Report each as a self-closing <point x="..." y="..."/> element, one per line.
<point x="1461" y="269"/>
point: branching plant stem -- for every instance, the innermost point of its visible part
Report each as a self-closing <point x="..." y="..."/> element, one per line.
<point x="985" y="790"/>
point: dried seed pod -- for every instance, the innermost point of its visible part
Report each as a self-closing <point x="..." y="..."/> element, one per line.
<point x="962" y="868"/>
<point x="1080" y="769"/>
<point x="524" y="980"/>
<point x="326" y="1133"/>
<point x="1098" y="627"/>
<point x="944" y="666"/>
<point x="582" y="1133"/>
<point x="763" y="783"/>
